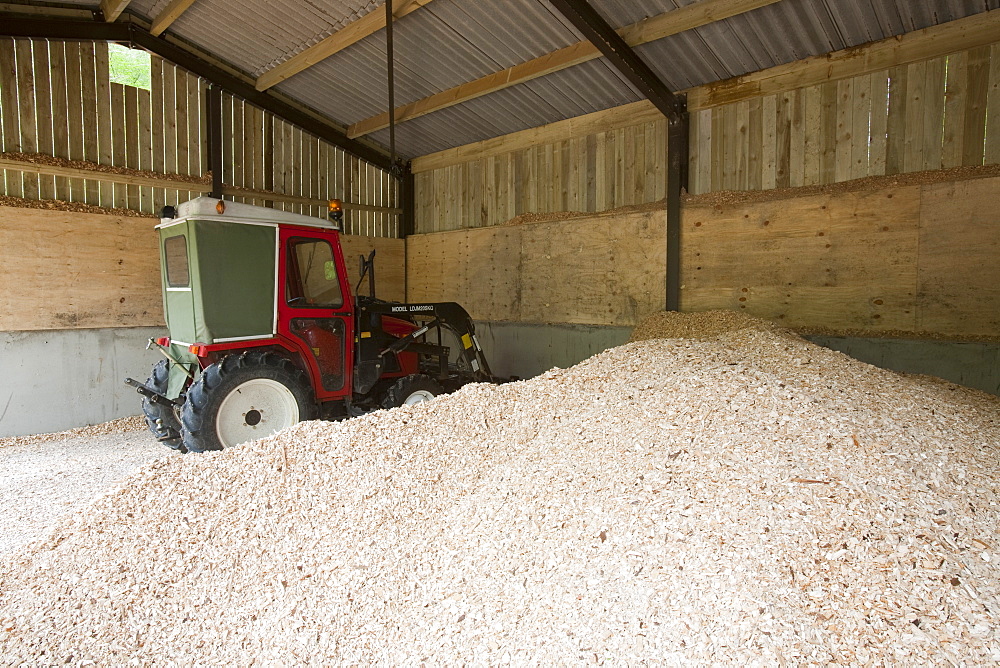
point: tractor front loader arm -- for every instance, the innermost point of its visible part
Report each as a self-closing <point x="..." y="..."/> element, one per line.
<point x="429" y="316"/>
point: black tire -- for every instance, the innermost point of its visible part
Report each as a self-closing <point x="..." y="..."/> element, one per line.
<point x="161" y="420"/>
<point x="208" y="421"/>
<point x="408" y="388"/>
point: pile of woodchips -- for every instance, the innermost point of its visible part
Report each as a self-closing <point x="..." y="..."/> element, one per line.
<point x="744" y="498"/>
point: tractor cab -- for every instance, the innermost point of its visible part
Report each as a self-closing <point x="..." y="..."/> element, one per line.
<point x="264" y="330"/>
<point x="237" y="275"/>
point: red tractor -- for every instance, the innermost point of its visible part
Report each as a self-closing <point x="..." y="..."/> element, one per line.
<point x="265" y="331"/>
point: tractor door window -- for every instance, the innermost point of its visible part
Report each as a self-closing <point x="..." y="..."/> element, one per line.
<point x="312" y="275"/>
<point x="176" y="258"/>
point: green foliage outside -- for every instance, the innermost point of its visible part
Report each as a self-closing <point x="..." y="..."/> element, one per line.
<point x="129" y="67"/>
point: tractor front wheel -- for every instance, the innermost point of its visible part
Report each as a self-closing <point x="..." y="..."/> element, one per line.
<point x="244" y="397"/>
<point x="413" y="389"/>
<point x="161" y="420"/>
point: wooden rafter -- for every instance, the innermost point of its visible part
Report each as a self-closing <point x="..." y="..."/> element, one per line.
<point x="647" y="30"/>
<point x="940" y="40"/>
<point x="353" y="32"/>
<point x="169" y="14"/>
<point x="112" y="9"/>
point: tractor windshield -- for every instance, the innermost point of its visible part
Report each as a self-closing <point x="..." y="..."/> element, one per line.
<point x="312" y="275"/>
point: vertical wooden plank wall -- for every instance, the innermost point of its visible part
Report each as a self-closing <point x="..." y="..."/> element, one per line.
<point x="56" y="98"/>
<point x="618" y="167"/>
<point x="302" y="165"/>
<point x="934" y="114"/>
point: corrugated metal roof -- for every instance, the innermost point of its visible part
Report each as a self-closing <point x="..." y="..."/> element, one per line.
<point x="450" y="42"/>
<point x="580" y="90"/>
<point x="447" y="43"/>
<point x="256" y="34"/>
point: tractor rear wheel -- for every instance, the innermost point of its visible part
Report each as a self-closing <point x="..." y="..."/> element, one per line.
<point x="161" y="420"/>
<point x="413" y="389"/>
<point x="243" y="397"/>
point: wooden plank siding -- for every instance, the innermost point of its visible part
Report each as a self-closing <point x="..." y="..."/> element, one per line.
<point x="57" y="99"/>
<point x="920" y="259"/>
<point x="935" y="113"/>
<point x="112" y="277"/>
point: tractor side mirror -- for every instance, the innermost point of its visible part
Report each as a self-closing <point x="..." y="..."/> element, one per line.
<point x="364" y="266"/>
<point x="367" y="267"/>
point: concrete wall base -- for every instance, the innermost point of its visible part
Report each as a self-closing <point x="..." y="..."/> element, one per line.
<point x="61" y="379"/>
<point x="975" y="365"/>
<point x="528" y="349"/>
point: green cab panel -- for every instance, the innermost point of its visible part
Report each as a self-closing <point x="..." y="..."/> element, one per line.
<point x="236" y="276"/>
<point x="178" y="374"/>
<point x="218" y="280"/>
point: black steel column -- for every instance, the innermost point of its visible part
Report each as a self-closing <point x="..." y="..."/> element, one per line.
<point x="586" y="19"/>
<point x="407" y="196"/>
<point x="213" y="107"/>
<point x="408" y="219"/>
<point x="677" y="158"/>
<point x="391" y="86"/>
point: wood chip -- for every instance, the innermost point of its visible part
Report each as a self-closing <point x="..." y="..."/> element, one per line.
<point x="638" y="507"/>
<point x="113" y="426"/>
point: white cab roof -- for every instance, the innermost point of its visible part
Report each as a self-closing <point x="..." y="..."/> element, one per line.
<point x="203" y="208"/>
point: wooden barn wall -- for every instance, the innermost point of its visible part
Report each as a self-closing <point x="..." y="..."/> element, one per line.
<point x="57" y="100"/>
<point x="922" y="259"/>
<point x="390" y="264"/>
<point x="934" y="113"/>
<point x="69" y="270"/>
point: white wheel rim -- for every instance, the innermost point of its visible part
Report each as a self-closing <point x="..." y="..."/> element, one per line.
<point x="418" y="397"/>
<point x="255" y="409"/>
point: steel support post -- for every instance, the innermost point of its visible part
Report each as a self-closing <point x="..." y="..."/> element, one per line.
<point x="407" y="198"/>
<point x="677" y="158"/>
<point x="213" y="106"/>
<point x="586" y="19"/>
<point x="390" y="84"/>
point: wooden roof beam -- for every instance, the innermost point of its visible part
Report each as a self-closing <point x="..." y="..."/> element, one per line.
<point x="352" y="33"/>
<point x="169" y="14"/>
<point x="643" y="32"/>
<point x="112" y="9"/>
